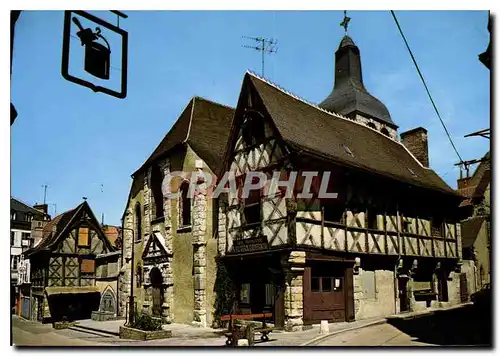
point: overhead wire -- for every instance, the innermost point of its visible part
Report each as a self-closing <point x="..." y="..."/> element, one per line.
<point x="425" y="85"/>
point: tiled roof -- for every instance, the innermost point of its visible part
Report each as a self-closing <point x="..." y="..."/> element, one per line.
<point x="205" y="126"/>
<point x="307" y="127"/>
<point x="469" y="230"/>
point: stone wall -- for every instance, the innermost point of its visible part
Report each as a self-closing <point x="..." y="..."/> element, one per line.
<point x="293" y="266"/>
<point x="454" y="288"/>
<point x="378" y="126"/>
<point x="374" y="294"/>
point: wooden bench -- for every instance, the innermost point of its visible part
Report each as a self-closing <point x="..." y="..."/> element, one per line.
<point x="264" y="330"/>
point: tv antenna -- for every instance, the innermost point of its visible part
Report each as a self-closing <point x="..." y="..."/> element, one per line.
<point x="264" y="46"/>
<point x="44" y="186"/>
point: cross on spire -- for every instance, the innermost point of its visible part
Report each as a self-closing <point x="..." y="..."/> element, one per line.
<point x="345" y="21"/>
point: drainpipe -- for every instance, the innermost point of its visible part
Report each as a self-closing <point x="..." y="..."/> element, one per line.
<point x="397" y="261"/>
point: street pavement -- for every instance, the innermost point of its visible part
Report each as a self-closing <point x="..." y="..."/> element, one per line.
<point x="459" y="326"/>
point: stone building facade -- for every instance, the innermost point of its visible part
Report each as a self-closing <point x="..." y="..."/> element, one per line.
<point x="173" y="237"/>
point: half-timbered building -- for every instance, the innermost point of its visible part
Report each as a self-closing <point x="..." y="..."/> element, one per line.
<point x="66" y="278"/>
<point x="172" y="274"/>
<point x="388" y="243"/>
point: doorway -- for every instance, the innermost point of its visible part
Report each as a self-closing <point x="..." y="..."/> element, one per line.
<point x="404" y="301"/>
<point x="157" y="292"/>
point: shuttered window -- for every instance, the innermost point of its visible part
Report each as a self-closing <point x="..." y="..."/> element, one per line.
<point x="83" y="236"/>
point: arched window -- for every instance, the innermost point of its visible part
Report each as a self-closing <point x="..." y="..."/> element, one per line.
<point x="385" y="131"/>
<point x="139" y="277"/>
<point x="156" y="180"/>
<point x="138" y="222"/>
<point x="184" y="206"/>
<point x="372" y="125"/>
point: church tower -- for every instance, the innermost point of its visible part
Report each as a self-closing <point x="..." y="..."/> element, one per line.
<point x="349" y="96"/>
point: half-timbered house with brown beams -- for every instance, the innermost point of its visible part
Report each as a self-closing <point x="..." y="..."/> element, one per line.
<point x="389" y="242"/>
<point x="72" y="267"/>
<point x="172" y="274"/>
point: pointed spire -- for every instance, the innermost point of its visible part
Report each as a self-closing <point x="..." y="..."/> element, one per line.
<point x="349" y="95"/>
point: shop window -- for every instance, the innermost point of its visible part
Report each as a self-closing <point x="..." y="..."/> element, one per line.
<point x="270" y="292"/>
<point x="185" y="206"/>
<point x="83" y="237"/>
<point x="326" y="284"/>
<point x="245" y="293"/>
<point x="315" y="284"/>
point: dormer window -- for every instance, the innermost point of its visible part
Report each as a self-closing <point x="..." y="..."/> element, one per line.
<point x="385" y="131"/>
<point x="253" y="128"/>
<point x="372" y="125"/>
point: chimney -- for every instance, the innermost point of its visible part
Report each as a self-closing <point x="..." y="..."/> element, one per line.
<point x="463" y="182"/>
<point x="415" y="141"/>
<point x="42" y="207"/>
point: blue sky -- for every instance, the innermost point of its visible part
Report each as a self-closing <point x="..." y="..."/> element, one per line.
<point x="74" y="140"/>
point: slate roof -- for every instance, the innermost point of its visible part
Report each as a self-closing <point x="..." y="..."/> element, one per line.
<point x="17" y="205"/>
<point x="205" y="126"/>
<point x="307" y="127"/>
<point x="349" y="93"/>
<point x="469" y="230"/>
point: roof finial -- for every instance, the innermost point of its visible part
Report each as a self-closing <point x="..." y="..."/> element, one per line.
<point x="345" y="22"/>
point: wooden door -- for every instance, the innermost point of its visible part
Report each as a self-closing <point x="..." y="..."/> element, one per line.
<point x="327" y="295"/>
<point x="157" y="300"/>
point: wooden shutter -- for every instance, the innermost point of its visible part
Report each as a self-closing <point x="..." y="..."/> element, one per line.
<point x="83" y="236"/>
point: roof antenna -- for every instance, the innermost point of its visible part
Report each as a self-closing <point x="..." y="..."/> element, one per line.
<point x="265" y="45"/>
<point x="45" y="186"/>
<point x="345" y="22"/>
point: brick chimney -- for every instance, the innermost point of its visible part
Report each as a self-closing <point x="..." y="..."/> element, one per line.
<point x="463" y="182"/>
<point x="415" y="141"/>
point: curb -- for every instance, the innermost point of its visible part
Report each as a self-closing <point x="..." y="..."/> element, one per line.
<point x="321" y="337"/>
<point x="113" y="333"/>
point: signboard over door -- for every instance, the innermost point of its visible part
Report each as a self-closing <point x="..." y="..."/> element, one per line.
<point x="250" y="244"/>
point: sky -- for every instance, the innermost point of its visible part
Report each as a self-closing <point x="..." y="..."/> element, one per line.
<point x="85" y="144"/>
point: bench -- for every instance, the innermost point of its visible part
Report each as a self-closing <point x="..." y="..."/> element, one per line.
<point x="231" y="334"/>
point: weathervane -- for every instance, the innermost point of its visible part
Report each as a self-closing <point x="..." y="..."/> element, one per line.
<point x="345" y="22"/>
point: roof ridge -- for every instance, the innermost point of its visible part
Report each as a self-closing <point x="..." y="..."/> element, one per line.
<point x="337" y="115"/>
<point x="214" y="102"/>
<point x="26" y="204"/>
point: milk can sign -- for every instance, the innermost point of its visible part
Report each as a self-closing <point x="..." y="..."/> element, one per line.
<point x="93" y="35"/>
<point x="23" y="272"/>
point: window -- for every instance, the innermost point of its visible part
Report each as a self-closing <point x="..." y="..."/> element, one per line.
<point x="270" y="292"/>
<point x="156" y="182"/>
<point x="83" y="237"/>
<point x="139" y="277"/>
<point x="371" y="218"/>
<point x="436" y="223"/>
<point x="252" y="205"/>
<point x="315" y="284"/>
<point x="12" y="238"/>
<point x="185" y="205"/>
<point x="14" y="262"/>
<point x="13" y="215"/>
<point x="334" y="213"/>
<point x="326" y="284"/>
<point x="26" y="235"/>
<point x="29" y="217"/>
<point x="138" y="222"/>
<point x="87" y="266"/>
<point x="253" y="128"/>
<point x="372" y="125"/>
<point x="385" y="131"/>
<point x="245" y="293"/>
<point x="406" y="226"/>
